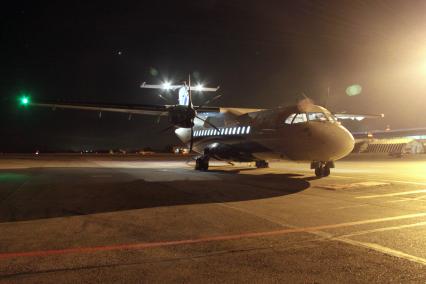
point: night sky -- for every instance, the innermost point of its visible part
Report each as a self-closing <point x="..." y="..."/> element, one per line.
<point x="261" y="53"/>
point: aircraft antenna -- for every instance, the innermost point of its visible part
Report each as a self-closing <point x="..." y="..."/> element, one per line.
<point x="327" y="98"/>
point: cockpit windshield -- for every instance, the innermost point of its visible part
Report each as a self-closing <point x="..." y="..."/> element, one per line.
<point x="296" y="118"/>
<point x="317" y="116"/>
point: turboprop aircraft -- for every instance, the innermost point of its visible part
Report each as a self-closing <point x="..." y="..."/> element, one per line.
<point x="303" y="132"/>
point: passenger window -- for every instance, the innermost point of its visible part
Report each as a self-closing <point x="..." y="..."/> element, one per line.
<point x="317" y="116"/>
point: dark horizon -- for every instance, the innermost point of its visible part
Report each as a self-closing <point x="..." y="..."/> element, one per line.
<point x="261" y="54"/>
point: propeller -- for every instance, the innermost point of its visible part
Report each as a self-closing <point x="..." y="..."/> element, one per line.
<point x="191" y="114"/>
<point x="209" y="101"/>
<point x="191" y="111"/>
<point x="194" y="113"/>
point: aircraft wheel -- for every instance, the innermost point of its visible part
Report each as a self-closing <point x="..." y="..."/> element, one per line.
<point x="322" y="171"/>
<point x="262" y="164"/>
<point x="198" y="164"/>
<point x="202" y="164"/>
<point x="325" y="171"/>
<point x="318" y="171"/>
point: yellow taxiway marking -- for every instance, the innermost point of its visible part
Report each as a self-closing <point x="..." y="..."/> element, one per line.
<point x="392" y="194"/>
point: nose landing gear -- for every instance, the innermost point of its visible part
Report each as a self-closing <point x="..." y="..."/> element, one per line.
<point x="322" y="169"/>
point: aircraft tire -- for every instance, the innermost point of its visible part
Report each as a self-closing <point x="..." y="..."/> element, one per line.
<point x="262" y="164"/>
<point x="318" y="172"/>
<point x="202" y="164"/>
<point x="325" y="171"/>
<point x="198" y="164"/>
<point x="322" y="171"/>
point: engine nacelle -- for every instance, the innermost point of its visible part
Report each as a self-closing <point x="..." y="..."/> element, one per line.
<point x="182" y="116"/>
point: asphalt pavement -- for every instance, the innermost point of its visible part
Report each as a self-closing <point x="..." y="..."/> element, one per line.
<point x="131" y="219"/>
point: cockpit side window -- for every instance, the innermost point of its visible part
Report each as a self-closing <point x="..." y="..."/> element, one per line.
<point x="295" y="118"/>
<point x="317" y="116"/>
<point x="290" y="118"/>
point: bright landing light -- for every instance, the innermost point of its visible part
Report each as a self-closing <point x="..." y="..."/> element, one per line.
<point x="199" y="87"/>
<point x="166" y="85"/>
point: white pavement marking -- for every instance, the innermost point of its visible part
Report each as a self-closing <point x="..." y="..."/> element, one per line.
<point x="392" y="194"/>
<point x="327" y="235"/>
<point x="351" y="206"/>
<point x="353" y="185"/>
<point x="405" y="199"/>
<point x="381" y="180"/>
<point x="384" y="250"/>
<point x="337" y="175"/>
<point x="384" y="229"/>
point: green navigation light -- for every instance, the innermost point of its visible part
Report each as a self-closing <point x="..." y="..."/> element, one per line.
<point x="354" y="90"/>
<point x="24" y="100"/>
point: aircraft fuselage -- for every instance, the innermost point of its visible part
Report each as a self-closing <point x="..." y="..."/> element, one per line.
<point x="271" y="134"/>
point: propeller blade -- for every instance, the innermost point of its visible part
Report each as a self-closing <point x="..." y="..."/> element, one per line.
<point x="159" y="116"/>
<point x="192" y="140"/>
<point x="189" y="92"/>
<point x="163" y="98"/>
<point x="209" y="101"/>
<point x="167" y="128"/>
<point x="206" y="121"/>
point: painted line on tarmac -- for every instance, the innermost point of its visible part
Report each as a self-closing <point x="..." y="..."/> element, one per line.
<point x="141" y="246"/>
<point x="350" y="206"/>
<point x="343" y="176"/>
<point x="385" y="250"/>
<point x="380" y="180"/>
<point x="383" y="229"/>
<point x="405" y="199"/>
<point x="391" y="194"/>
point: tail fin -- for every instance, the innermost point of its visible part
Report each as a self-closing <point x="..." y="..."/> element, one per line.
<point x="183" y="96"/>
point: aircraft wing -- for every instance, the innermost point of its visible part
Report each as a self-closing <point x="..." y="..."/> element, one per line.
<point x="157" y="110"/>
<point x="358" y="117"/>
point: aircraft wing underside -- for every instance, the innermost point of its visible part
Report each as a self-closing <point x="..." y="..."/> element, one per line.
<point x="157" y="110"/>
<point x="358" y="117"/>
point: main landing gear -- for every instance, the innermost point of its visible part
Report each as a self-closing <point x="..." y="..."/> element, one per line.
<point x="202" y="163"/>
<point x="261" y="164"/>
<point x="322" y="169"/>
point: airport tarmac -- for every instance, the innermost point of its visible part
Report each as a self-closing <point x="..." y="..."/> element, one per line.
<point x="100" y="218"/>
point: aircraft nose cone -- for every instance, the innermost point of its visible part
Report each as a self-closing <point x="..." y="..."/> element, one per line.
<point x="346" y="143"/>
<point x="332" y="141"/>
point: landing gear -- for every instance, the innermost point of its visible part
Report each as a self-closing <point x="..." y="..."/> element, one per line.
<point x="202" y="163"/>
<point x="322" y="169"/>
<point x="261" y="164"/>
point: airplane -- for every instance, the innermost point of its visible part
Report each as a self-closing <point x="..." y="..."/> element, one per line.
<point x="304" y="132"/>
